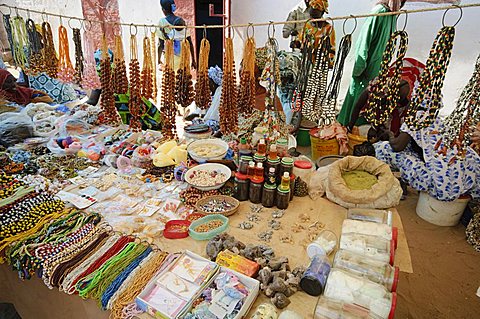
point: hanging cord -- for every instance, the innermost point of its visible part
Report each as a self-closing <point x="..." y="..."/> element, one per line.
<point x="79" y="67"/>
<point x="135" y="103"/>
<point x="428" y="96"/>
<point x="50" y="59"/>
<point x="184" y="93"/>
<point x="90" y="79"/>
<point x="316" y="86"/>
<point x="203" y="98"/>
<point x="460" y="124"/>
<point x="168" y="106"/>
<point x="120" y="81"/>
<point x="153" y="50"/>
<point x="34" y="38"/>
<point x="147" y="81"/>
<point x="228" y="107"/>
<point x="8" y="29"/>
<point x="299" y="92"/>
<point x="20" y="42"/>
<point x="66" y="72"/>
<point x="385" y="90"/>
<point x="330" y="101"/>
<point x="107" y="102"/>
<point x="246" y="91"/>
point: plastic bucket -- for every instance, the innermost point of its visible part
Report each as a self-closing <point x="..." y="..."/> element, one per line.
<point x="321" y="147"/>
<point x="354" y="140"/>
<point x="440" y="213"/>
<point x="303" y="137"/>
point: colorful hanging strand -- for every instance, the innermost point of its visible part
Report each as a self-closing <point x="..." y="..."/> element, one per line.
<point x="428" y="96"/>
<point x="107" y="102"/>
<point x="50" y="59"/>
<point x="8" y="29"/>
<point x="147" y="81"/>
<point x="153" y="50"/>
<point x="90" y="79"/>
<point x="35" y="58"/>
<point x="387" y="85"/>
<point x="169" y="108"/>
<point x="316" y="87"/>
<point x="135" y="103"/>
<point x="203" y="97"/>
<point x="120" y="81"/>
<point x="77" y="40"/>
<point x="66" y="72"/>
<point x="20" y="42"/>
<point x="329" y="103"/>
<point x="460" y="124"/>
<point x="301" y="82"/>
<point x="246" y="92"/>
<point x="184" y="93"/>
<point x="228" y="105"/>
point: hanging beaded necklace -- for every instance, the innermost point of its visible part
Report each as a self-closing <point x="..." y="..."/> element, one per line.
<point x="120" y="81"/>
<point x="153" y="52"/>
<point x="169" y="108"/>
<point x="107" y="102"/>
<point x="228" y="106"/>
<point x="329" y="103"/>
<point x="184" y="93"/>
<point x="77" y="40"/>
<point x="49" y="55"/>
<point x="385" y="92"/>
<point x="428" y="95"/>
<point x="316" y="86"/>
<point x="246" y="93"/>
<point x="135" y="103"/>
<point x="202" y="87"/>
<point x="35" y="58"/>
<point x="66" y="72"/>
<point x="147" y="81"/>
<point x="90" y="79"/>
<point x="8" y="29"/>
<point x="305" y="65"/>
<point x="460" y="124"/>
<point x="20" y="42"/>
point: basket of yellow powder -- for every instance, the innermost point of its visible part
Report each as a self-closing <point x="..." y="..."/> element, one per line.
<point x="359" y="180"/>
<point x="208" y="227"/>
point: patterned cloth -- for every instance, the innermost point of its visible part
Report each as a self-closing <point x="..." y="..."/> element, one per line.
<point x="58" y="91"/>
<point x="442" y="178"/>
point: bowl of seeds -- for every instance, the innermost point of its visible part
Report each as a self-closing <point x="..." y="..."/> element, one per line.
<point x="206" y="177"/>
<point x="218" y="204"/>
<point x="208" y="227"/>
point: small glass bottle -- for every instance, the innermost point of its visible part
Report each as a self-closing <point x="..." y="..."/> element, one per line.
<point x="272" y="154"/>
<point x="262" y="147"/>
<point x="251" y="169"/>
<point x="268" y="196"/>
<point x="283" y="198"/>
<point x="256" y="189"/>
<point x="244" y="148"/>
<point x="241" y="187"/>
<point x="272" y="177"/>
<point x="259" y="171"/>
<point x="285" y="183"/>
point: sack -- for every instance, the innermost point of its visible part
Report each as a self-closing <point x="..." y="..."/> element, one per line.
<point x="385" y="193"/>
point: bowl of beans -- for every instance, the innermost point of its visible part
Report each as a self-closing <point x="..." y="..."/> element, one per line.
<point x="208" y="227"/>
<point x="207" y="177"/>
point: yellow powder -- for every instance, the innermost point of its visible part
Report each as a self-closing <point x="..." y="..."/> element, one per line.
<point x="359" y="180"/>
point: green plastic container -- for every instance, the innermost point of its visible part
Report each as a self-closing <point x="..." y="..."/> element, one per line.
<point x="208" y="235"/>
<point x="303" y="137"/>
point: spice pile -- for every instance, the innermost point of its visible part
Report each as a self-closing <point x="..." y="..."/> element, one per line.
<point x="209" y="226"/>
<point x="207" y="178"/>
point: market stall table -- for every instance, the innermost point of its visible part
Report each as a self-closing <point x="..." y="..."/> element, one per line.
<point x="33" y="300"/>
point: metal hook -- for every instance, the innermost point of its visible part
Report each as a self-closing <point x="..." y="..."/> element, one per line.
<point x="268" y="30"/>
<point x="44" y="17"/>
<point x="145" y="30"/>
<point x="406" y="20"/>
<point x="204" y="31"/>
<point x="152" y="29"/>
<point x="28" y="14"/>
<point x="61" y="21"/>
<point x="120" y="29"/>
<point x="87" y="23"/>
<point x="16" y="11"/>
<point x="250" y="25"/>
<point x="459" y="18"/>
<point x="69" y="23"/>
<point x="354" y="27"/>
<point x="136" y="30"/>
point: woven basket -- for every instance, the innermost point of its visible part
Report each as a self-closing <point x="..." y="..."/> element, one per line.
<point x="231" y="200"/>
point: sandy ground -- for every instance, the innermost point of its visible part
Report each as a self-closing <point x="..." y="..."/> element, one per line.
<point x="446" y="270"/>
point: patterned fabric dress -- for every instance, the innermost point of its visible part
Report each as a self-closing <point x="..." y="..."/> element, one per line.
<point x="442" y="178"/>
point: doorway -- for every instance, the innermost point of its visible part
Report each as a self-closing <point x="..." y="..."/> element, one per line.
<point x="215" y="36"/>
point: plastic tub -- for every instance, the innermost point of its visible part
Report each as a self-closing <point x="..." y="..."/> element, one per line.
<point x="176" y="229"/>
<point x="354" y="140"/>
<point x="325" y="244"/>
<point x="440" y="213"/>
<point x="210" y="234"/>
<point x="321" y="147"/>
<point x="303" y="137"/>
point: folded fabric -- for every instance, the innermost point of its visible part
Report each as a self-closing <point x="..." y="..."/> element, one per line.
<point x="60" y="92"/>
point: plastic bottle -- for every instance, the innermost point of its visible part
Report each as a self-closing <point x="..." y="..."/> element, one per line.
<point x="244" y="148"/>
<point x="315" y="277"/>
<point x="324" y="244"/>
<point x="285" y="184"/>
<point x="377" y="271"/>
<point x="262" y="147"/>
<point x="251" y="169"/>
<point x="259" y="171"/>
<point x="346" y="287"/>
<point x="334" y="309"/>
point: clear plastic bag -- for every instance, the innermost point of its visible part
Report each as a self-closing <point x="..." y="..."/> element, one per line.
<point x="14" y="128"/>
